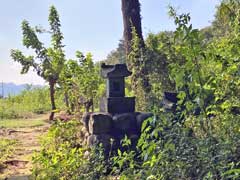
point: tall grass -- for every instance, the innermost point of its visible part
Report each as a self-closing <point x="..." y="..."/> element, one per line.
<point x="26" y="104"/>
<point x="20" y="123"/>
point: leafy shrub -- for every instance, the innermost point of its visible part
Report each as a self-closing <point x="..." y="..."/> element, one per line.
<point x="175" y="145"/>
<point x="203" y="145"/>
<point x="29" y="102"/>
<point x="64" y="157"/>
<point x="6" y="150"/>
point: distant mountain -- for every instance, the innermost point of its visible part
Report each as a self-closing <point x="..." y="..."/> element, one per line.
<point x="7" y="89"/>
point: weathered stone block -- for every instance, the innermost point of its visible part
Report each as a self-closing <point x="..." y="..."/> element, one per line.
<point x="100" y="123"/>
<point x="124" y="122"/>
<point x="140" y="117"/>
<point x="83" y="132"/>
<point x="92" y="140"/>
<point x="85" y="120"/>
<point x="120" y="105"/>
<point x="105" y="139"/>
<point x="103" y="104"/>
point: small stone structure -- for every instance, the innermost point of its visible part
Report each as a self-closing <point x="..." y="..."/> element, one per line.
<point x="116" y="100"/>
<point x="117" y="117"/>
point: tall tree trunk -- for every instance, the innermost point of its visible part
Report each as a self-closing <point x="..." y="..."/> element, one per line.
<point x="138" y="62"/>
<point x="131" y="19"/>
<point x="52" y="92"/>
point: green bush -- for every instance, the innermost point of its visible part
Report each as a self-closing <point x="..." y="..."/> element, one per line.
<point x="6" y="150"/>
<point x="64" y="157"/>
<point x="200" y="140"/>
<point x="174" y="152"/>
<point x="27" y="103"/>
<point x="189" y="145"/>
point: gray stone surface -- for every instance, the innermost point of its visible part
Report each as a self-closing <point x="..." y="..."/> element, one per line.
<point x="124" y="121"/>
<point x="115" y="92"/>
<point x="105" y="139"/>
<point x="103" y="104"/>
<point x="92" y="140"/>
<point x="83" y="132"/>
<point x="116" y="87"/>
<point x="85" y="120"/>
<point x="100" y="123"/>
<point x="121" y="120"/>
<point x="116" y="105"/>
<point x="140" y="117"/>
<point x="110" y="130"/>
<point x="117" y="70"/>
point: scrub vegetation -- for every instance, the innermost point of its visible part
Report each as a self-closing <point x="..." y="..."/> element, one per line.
<point x="199" y="138"/>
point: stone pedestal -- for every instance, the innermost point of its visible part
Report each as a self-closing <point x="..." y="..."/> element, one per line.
<point x="109" y="129"/>
<point x="120" y="105"/>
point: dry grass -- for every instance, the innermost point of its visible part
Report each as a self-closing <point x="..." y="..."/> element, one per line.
<point x="34" y="121"/>
<point x="20" y="139"/>
<point x="21" y="123"/>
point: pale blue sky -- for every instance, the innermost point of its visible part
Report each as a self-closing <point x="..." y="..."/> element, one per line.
<point x="88" y="25"/>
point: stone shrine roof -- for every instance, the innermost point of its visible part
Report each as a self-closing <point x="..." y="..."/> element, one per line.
<point x="117" y="70"/>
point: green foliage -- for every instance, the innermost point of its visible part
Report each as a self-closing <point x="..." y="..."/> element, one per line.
<point x="226" y="14"/>
<point x="59" y="156"/>
<point x="78" y="80"/>
<point x="47" y="62"/>
<point x="200" y="140"/>
<point x="117" y="56"/>
<point x="20" y="123"/>
<point x="63" y="157"/>
<point x="24" y="105"/>
<point x="137" y="63"/>
<point x="81" y="82"/>
<point x="6" y="150"/>
<point x="205" y="145"/>
<point x="152" y="65"/>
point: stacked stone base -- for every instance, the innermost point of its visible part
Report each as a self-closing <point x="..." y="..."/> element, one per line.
<point x="109" y="129"/>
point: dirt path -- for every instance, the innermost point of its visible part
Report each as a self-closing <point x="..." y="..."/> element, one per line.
<point x="19" y="164"/>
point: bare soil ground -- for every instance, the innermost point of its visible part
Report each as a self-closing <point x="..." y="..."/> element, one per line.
<point x="18" y="165"/>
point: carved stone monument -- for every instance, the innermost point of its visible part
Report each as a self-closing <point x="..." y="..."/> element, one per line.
<point x="116" y="101"/>
<point x="117" y="118"/>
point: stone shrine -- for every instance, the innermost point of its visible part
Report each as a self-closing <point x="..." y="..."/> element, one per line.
<point x="116" y="101"/>
<point x="117" y="118"/>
